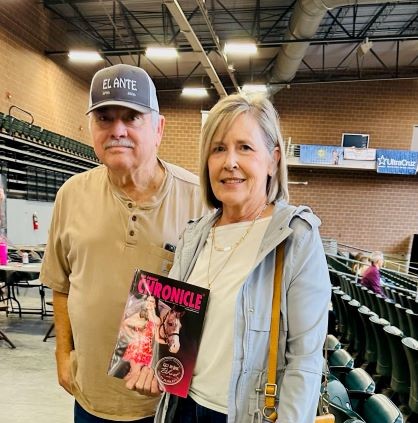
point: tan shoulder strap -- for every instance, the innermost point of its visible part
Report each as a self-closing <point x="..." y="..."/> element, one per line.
<point x="270" y="388"/>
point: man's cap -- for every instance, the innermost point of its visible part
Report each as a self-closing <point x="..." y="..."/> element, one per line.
<point x="123" y="85"/>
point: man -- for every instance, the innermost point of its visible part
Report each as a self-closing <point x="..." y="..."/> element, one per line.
<point x="107" y="222"/>
<point x="371" y="276"/>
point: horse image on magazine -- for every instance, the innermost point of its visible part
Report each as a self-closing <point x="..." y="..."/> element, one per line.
<point x="161" y="328"/>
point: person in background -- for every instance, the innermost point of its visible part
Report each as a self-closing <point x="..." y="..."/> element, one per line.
<point x="233" y="252"/>
<point x="125" y="214"/>
<point x="361" y="264"/>
<point x="371" y="276"/>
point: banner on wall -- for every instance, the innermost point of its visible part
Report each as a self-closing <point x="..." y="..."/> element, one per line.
<point x="401" y="162"/>
<point x="353" y="153"/>
<point x="321" y="154"/>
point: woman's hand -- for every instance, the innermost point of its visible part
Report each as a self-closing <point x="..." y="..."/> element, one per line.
<point x="142" y="379"/>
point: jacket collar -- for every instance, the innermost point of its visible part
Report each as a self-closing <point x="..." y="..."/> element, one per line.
<point x="277" y="231"/>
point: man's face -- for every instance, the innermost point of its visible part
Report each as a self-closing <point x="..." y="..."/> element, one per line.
<point x="125" y="139"/>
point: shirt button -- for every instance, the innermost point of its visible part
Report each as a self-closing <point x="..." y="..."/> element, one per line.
<point x="251" y="310"/>
<point x="133" y="218"/>
<point x="131" y="233"/>
<point x="130" y="205"/>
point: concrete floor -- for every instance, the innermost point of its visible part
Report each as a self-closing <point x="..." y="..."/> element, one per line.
<point x="29" y="391"/>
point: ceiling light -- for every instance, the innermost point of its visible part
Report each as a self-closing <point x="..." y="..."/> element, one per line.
<point x="240" y="48"/>
<point x="161" y="52"/>
<point x="254" y="88"/>
<point x="194" y="92"/>
<point x="84" y="56"/>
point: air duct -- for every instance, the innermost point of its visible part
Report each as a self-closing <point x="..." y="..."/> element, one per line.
<point x="303" y="24"/>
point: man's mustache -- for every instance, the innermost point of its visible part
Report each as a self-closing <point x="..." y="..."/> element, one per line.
<point x="118" y="143"/>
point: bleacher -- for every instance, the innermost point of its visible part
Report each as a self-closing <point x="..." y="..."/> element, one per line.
<point x="372" y="361"/>
<point x="12" y="126"/>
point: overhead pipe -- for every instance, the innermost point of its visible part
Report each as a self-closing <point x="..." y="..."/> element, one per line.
<point x="303" y="24"/>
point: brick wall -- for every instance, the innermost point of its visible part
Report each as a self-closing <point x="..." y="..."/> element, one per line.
<point x="361" y="208"/>
<point x="357" y="207"/>
<point x="183" y="122"/>
<point x="319" y="114"/>
<point x="33" y="82"/>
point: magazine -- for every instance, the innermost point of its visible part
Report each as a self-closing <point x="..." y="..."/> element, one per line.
<point x="161" y="327"/>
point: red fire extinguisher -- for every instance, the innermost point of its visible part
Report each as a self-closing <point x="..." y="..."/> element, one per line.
<point x="35" y="222"/>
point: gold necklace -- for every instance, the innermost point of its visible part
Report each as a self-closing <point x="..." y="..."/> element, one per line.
<point x="231" y="248"/>
<point x="235" y="245"/>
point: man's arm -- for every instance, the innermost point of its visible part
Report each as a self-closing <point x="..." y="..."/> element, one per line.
<point x="64" y="339"/>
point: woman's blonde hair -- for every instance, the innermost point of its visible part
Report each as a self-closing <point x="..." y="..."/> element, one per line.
<point x="223" y="114"/>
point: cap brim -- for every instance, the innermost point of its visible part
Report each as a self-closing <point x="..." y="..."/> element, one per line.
<point x="137" y="107"/>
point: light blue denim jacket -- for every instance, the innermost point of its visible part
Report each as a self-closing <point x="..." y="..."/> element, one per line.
<point x="305" y="298"/>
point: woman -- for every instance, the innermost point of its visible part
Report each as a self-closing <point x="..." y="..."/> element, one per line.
<point x="360" y="264"/>
<point x="371" y="276"/>
<point x="244" y="176"/>
<point x="141" y="328"/>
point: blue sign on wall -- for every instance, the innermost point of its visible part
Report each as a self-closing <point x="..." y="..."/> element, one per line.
<point x="321" y="154"/>
<point x="397" y="161"/>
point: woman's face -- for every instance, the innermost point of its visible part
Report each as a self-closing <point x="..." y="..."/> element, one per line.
<point x="239" y="164"/>
<point x="150" y="303"/>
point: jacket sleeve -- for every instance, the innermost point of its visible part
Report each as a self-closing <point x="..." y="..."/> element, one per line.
<point x="308" y="296"/>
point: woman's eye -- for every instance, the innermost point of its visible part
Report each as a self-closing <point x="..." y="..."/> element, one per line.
<point x="218" y="148"/>
<point x="246" y="147"/>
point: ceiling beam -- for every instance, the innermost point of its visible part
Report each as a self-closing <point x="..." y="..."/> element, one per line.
<point x="215" y="39"/>
<point x="233" y="17"/>
<point x="188" y="32"/>
<point x="313" y="41"/>
<point x="255" y="31"/>
<point x="189" y="18"/>
<point x="337" y="22"/>
<point x="280" y="19"/>
<point x="381" y="61"/>
<point x="408" y="25"/>
<point x="141" y="24"/>
<point x="363" y="32"/>
<point x="94" y="35"/>
<point x="128" y="25"/>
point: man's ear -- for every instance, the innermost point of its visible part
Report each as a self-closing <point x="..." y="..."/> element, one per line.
<point x="160" y="129"/>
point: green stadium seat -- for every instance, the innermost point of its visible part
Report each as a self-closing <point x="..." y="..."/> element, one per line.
<point x="410" y="346"/>
<point x="341" y="358"/>
<point x="370" y="350"/>
<point x="380" y="409"/>
<point x="402" y="319"/>
<point x="338" y="400"/>
<point x="355" y="379"/>
<point x="412" y="323"/>
<point x="400" y="380"/>
<point x="384" y="359"/>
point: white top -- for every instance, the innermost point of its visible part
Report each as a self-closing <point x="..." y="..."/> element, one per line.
<point x="212" y="373"/>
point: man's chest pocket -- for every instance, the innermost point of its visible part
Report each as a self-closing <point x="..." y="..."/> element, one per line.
<point x="159" y="260"/>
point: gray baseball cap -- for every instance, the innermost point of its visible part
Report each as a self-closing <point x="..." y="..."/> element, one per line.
<point x="123" y="85"/>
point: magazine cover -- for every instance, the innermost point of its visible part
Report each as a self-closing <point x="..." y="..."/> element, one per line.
<point x="161" y="328"/>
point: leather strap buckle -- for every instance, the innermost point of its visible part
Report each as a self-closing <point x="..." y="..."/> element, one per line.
<point x="270" y="389"/>
<point x="270" y="413"/>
